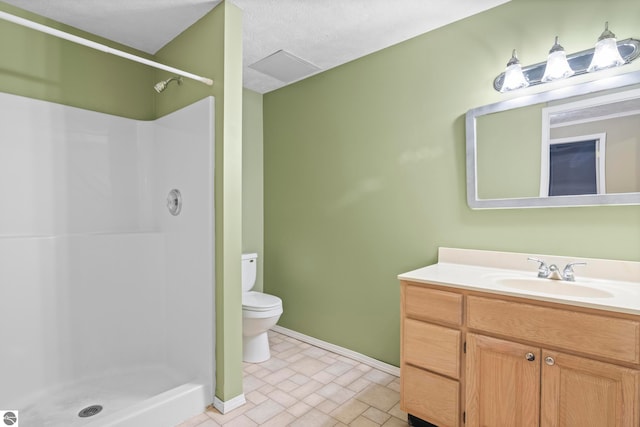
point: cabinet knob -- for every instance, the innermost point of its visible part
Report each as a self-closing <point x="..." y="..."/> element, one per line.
<point x="530" y="357"/>
<point x="549" y="361"/>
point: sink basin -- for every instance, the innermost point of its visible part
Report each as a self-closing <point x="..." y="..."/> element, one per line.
<point x="553" y="287"/>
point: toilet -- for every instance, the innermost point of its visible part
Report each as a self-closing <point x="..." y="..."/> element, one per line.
<point x="260" y="312"/>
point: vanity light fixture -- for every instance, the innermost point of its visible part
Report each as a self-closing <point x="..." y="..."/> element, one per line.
<point x="607" y="53"/>
<point x="557" y="66"/>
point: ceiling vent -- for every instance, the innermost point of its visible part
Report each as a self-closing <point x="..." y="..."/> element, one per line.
<point x="285" y="67"/>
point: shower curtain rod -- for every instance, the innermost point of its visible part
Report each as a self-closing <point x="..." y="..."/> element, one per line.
<point x="98" y="46"/>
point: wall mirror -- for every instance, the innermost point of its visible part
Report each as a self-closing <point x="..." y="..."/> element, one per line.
<point x="574" y="146"/>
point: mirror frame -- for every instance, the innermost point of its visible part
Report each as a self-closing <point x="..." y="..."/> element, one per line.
<point x="595" y="86"/>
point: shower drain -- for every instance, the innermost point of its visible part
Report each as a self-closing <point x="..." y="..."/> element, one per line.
<point x="90" y="411"/>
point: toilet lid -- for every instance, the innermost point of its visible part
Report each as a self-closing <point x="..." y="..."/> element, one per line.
<point x="258" y="301"/>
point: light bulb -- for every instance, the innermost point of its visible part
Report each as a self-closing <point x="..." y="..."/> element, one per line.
<point x="557" y="65"/>
<point x="513" y="76"/>
<point x="606" y="53"/>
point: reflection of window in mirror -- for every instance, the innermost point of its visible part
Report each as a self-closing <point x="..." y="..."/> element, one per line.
<point x="616" y="115"/>
<point x="573" y="166"/>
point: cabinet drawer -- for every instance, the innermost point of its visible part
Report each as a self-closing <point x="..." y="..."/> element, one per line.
<point x="432" y="347"/>
<point x="609" y="337"/>
<point x="430" y="396"/>
<point x="432" y="304"/>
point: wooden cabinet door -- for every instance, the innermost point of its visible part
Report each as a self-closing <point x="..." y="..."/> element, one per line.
<point x="578" y="392"/>
<point x="502" y="383"/>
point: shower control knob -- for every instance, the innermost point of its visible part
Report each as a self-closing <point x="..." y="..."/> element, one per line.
<point x="174" y="202"/>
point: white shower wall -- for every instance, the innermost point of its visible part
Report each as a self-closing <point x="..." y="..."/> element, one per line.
<point x="96" y="276"/>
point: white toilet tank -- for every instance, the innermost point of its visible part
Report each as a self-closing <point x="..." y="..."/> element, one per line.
<point x="249" y="269"/>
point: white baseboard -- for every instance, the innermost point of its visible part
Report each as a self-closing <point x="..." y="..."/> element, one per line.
<point x="359" y="357"/>
<point x="229" y="405"/>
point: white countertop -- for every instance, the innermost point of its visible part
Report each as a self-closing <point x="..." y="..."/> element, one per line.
<point x="616" y="283"/>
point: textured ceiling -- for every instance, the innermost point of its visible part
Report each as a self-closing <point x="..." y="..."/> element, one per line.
<point x="326" y="33"/>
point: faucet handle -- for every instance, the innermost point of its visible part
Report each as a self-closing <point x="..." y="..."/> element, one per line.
<point x="567" y="273"/>
<point x="543" y="269"/>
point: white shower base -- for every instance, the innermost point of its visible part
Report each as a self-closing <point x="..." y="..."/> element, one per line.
<point x="128" y="399"/>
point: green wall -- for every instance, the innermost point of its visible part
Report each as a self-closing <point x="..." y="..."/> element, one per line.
<point x="252" y="180"/>
<point x="40" y="66"/>
<point x="212" y="47"/>
<point x="365" y="171"/>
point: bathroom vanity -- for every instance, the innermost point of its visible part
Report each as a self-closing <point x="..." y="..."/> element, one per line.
<point x="486" y="342"/>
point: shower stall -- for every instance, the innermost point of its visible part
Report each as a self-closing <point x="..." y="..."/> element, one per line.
<point x="106" y="265"/>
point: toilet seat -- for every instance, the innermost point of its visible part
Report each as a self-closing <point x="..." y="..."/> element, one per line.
<point x="258" y="301"/>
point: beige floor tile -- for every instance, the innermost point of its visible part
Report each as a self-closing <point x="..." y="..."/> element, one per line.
<point x="280" y="420"/>
<point x="379" y="377"/>
<point x="363" y="422"/>
<point x="315" y="352"/>
<point x="336" y="392"/>
<point x="359" y="385"/>
<point x="282" y="346"/>
<point x="329" y="359"/>
<point x="397" y="412"/>
<point x="285" y="355"/>
<point x="274" y="364"/>
<point x="284" y="399"/>
<point x="339" y="368"/>
<point x="324" y="377"/>
<point x="349" y="411"/>
<point x="261" y="373"/>
<point x="266" y="389"/>
<point x="327" y="406"/>
<point x="348" y="360"/>
<point x="256" y="397"/>
<point x="348" y="377"/>
<point x="396" y="422"/>
<point x="299" y="379"/>
<point x="197" y="420"/>
<point x="223" y="418"/>
<point x="304" y="390"/>
<point x="395" y="385"/>
<point x="314" y="399"/>
<point x="287" y="386"/>
<point x="295" y="357"/>
<point x="265" y="411"/>
<point x="308" y="366"/>
<point x="275" y="337"/>
<point x="251" y="383"/>
<point x="376" y="415"/>
<point x="379" y="397"/>
<point x="241" y="421"/>
<point x="250" y="368"/>
<point x="314" y="418"/>
<point x="278" y="376"/>
<point x="299" y="409"/>
<point x="209" y="423"/>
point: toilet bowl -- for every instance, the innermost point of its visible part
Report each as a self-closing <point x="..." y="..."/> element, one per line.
<point x="260" y="312"/>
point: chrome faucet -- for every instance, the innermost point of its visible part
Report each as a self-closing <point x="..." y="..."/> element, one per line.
<point x="553" y="272"/>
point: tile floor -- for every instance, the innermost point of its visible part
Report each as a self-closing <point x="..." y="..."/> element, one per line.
<point x="305" y="386"/>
